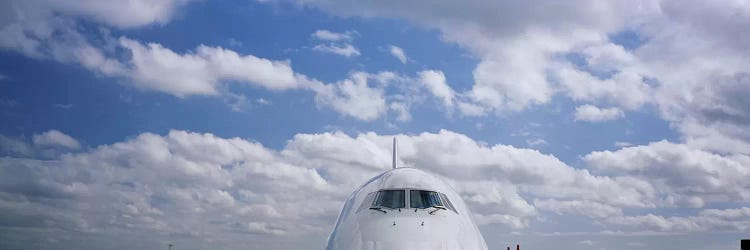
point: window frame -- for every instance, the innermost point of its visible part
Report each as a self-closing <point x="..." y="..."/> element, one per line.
<point x="446" y="202"/>
<point x="439" y="197"/>
<point x="377" y="195"/>
<point x="369" y="198"/>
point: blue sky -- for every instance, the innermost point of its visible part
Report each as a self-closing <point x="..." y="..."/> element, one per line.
<point x="595" y="125"/>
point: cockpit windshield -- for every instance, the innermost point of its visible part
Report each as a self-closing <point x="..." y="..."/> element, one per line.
<point x="424" y="199"/>
<point x="390" y="199"/>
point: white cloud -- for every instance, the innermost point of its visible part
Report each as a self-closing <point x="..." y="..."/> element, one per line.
<point x="736" y="219"/>
<point x="590" y="113"/>
<point x="263" y="228"/>
<point x="688" y="177"/>
<point x="337" y="43"/>
<point x="154" y="67"/>
<point x="398" y="53"/>
<point x="206" y="71"/>
<point x="237" y="102"/>
<point x="327" y="35"/>
<point x="234" y="42"/>
<point x="402" y="110"/>
<point x="536" y="142"/>
<point x="579" y="207"/>
<point x="521" y="61"/>
<point x="587" y="242"/>
<point x="434" y="81"/>
<point x="10" y="146"/>
<point x="263" y="101"/>
<point x="123" y="14"/>
<point x="624" y="89"/>
<point x="470" y="109"/>
<point x="692" y="67"/>
<point x="185" y="183"/>
<point x="515" y="55"/>
<point x="353" y="97"/>
<point x="55" y="138"/>
<point x="622" y="144"/>
<point x="199" y="177"/>
<point x="604" y="58"/>
<point x="158" y="68"/>
<point x="48" y="28"/>
<point x="201" y="73"/>
<point x="346" y="50"/>
<point x="202" y="186"/>
<point x="690" y="70"/>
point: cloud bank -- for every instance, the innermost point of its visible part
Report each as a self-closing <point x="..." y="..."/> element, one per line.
<point x="197" y="187"/>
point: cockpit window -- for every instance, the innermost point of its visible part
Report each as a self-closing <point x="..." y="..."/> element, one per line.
<point x="390" y="199"/>
<point x="367" y="202"/>
<point x="424" y="199"/>
<point x="448" y="203"/>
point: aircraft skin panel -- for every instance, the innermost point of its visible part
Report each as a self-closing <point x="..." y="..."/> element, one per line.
<point x="405" y="228"/>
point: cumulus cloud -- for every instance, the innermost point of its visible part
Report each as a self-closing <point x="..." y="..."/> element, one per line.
<point x="734" y="219"/>
<point x="150" y="66"/>
<point x="154" y="67"/>
<point x="346" y="50"/>
<point x="211" y="187"/>
<point x="44" y="28"/>
<point x="206" y="187"/>
<point x="327" y="35"/>
<point x="26" y="24"/>
<point x="55" y="138"/>
<point x="353" y="97"/>
<point x="590" y="113"/>
<point x="10" y="146"/>
<point x="690" y="64"/>
<point x="500" y="85"/>
<point x="688" y="177"/>
<point x="121" y="14"/>
<point x="402" y="111"/>
<point x="336" y="43"/>
<point x="536" y="142"/>
<point x="202" y="73"/>
<point x="579" y="207"/>
<point x="167" y="184"/>
<point x="435" y="83"/>
<point x="398" y="53"/>
<point x="623" y="89"/>
<point x="587" y="242"/>
<point x="690" y="70"/>
<point x="205" y="71"/>
<point x="622" y="144"/>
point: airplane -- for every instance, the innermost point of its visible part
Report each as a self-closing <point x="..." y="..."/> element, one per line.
<point x="405" y="208"/>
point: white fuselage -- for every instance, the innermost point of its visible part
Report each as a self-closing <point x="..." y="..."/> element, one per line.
<point x="405" y="222"/>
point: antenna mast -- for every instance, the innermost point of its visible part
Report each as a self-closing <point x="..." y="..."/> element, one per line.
<point x="394" y="152"/>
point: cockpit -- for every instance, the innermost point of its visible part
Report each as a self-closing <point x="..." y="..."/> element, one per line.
<point x="393" y="199"/>
<point x="405" y="208"/>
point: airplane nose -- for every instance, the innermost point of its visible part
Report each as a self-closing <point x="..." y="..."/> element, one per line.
<point x="407" y="245"/>
<point x="409" y="234"/>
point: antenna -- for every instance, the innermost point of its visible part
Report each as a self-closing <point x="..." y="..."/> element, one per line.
<point x="394" y="152"/>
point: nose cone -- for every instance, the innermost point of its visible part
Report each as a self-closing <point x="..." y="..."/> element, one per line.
<point x="359" y="227"/>
<point x="408" y="233"/>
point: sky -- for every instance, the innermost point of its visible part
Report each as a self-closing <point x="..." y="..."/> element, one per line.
<point x="245" y="124"/>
